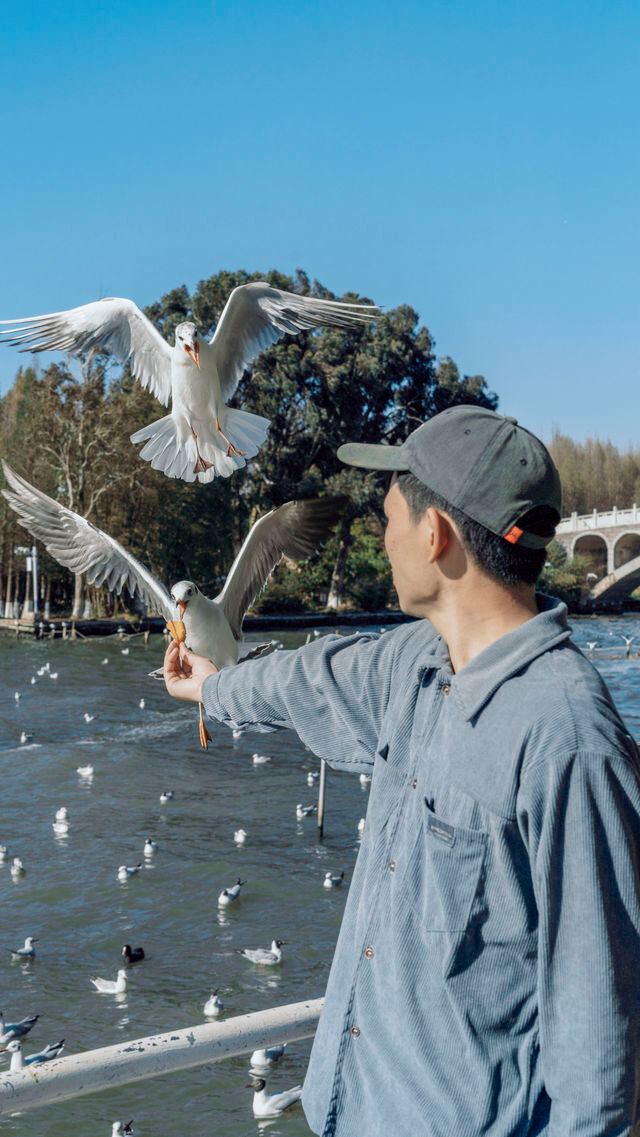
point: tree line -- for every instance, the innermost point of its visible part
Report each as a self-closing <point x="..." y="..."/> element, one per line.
<point x="595" y="474"/>
<point x="66" y="429"/>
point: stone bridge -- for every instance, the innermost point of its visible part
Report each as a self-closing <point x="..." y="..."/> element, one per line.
<point x="611" y="542"/>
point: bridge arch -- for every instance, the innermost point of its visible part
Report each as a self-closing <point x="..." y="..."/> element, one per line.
<point x="595" y="549"/>
<point x="618" y="584"/>
<point x="626" y="548"/>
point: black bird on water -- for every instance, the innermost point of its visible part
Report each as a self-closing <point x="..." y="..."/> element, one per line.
<point x="132" y="955"/>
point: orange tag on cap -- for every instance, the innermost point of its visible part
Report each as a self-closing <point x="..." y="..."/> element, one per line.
<point x="513" y="535"/>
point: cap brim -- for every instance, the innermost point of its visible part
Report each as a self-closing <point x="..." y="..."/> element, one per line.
<point x="373" y="457"/>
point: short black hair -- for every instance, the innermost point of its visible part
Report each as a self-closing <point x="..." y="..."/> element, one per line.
<point x="495" y="556"/>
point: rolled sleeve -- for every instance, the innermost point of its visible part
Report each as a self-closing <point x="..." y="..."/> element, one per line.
<point x="583" y="819"/>
<point x="334" y="693"/>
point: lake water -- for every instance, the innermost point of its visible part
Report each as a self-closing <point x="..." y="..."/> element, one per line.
<point x="70" y="897"/>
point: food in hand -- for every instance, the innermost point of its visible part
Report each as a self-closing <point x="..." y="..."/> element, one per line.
<point x="177" y="631"/>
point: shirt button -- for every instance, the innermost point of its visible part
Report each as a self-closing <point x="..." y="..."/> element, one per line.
<point x="369" y="953"/>
<point x="414" y="783"/>
<point x="446" y="688"/>
<point x="392" y="866"/>
<point x="355" y="1030"/>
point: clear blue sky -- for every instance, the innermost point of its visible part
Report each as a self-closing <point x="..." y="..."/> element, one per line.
<point x="478" y="161"/>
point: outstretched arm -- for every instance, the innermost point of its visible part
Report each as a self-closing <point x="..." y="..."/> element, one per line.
<point x="334" y="693"/>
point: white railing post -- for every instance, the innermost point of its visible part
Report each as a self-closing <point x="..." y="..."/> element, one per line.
<point x="111" y="1066"/>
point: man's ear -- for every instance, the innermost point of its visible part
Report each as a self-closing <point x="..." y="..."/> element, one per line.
<point x="436" y="532"/>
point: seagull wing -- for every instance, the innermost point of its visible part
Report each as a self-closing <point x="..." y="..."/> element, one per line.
<point x="81" y="546"/>
<point x="115" y="324"/>
<point x="286" y="1098"/>
<point x="257" y="316"/>
<point x="293" y="530"/>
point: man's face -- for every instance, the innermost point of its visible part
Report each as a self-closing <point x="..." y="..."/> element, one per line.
<point x="407" y="549"/>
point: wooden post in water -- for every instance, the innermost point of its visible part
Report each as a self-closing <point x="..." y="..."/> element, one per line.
<point x="322" y="789"/>
<point x="321" y="797"/>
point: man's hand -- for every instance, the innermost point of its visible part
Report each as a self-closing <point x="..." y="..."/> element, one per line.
<point x="184" y="673"/>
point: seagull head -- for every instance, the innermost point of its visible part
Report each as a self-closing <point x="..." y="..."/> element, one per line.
<point x="187" y="339"/>
<point x="183" y="593"/>
<point x="256" y="1084"/>
<point x="13" y="1047"/>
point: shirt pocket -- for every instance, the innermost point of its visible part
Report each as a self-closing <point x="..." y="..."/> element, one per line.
<point x="445" y="881"/>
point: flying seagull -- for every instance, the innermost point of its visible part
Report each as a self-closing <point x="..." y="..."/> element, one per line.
<point x="213" y="628"/>
<point x="202" y="436"/>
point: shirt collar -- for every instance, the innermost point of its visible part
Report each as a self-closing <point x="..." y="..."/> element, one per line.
<point x="480" y="679"/>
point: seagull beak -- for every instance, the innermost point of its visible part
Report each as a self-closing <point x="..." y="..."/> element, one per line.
<point x="194" y="352"/>
<point x="182" y="604"/>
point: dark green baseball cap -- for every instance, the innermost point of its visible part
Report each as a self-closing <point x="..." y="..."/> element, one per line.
<point x="483" y="463"/>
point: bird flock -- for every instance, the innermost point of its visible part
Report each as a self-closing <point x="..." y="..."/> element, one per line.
<point x="13" y="1034"/>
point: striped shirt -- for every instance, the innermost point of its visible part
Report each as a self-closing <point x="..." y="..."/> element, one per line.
<point x="486" y="978"/>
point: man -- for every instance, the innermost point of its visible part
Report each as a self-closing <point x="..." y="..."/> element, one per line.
<point x="486" y="977"/>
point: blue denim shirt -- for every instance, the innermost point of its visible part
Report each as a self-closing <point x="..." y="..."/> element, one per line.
<point x="486" y="978"/>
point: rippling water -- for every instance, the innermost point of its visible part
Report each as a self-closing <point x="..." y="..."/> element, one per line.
<point x="71" y="899"/>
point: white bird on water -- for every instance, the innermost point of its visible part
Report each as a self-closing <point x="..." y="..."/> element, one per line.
<point x="122" y="1128"/>
<point x="62" y="814"/>
<point x="333" y="881"/>
<point x="104" y="663"/>
<point x="361" y="827"/>
<point x="213" y="628"/>
<point x="214" y="1005"/>
<point x="271" y="1105"/>
<point x="240" y="836"/>
<point x="150" y="847"/>
<point x="4" y="852"/>
<point x="141" y="704"/>
<point x="202" y="436"/>
<point x="268" y="1055"/>
<point x="84" y="771"/>
<point x="27" y="951"/>
<point x="124" y="651"/>
<point x="111" y="986"/>
<point x="365" y="779"/>
<point x="228" y="895"/>
<point x="312" y="777"/>
<point x="25" y="737"/>
<point x="125" y="871"/>
<point x="9" y="1031"/>
<point x="266" y="957"/>
<point x="18" y="1061"/>
<point x="260" y="759"/>
<point x="17" y="868"/>
<point x="61" y="823"/>
<point x="304" y="810"/>
<point x="88" y="718"/>
<point x="165" y="796"/>
<point x="17" y="696"/>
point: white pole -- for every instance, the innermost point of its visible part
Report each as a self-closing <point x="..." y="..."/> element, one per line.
<point x="111" y="1066"/>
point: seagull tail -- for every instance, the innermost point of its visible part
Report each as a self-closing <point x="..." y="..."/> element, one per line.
<point x="177" y="457"/>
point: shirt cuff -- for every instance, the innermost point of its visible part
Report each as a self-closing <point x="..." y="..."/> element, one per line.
<point x="210" y="701"/>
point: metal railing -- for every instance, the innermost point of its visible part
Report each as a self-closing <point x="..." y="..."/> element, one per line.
<point x="599" y="520"/>
<point x="111" y="1066"/>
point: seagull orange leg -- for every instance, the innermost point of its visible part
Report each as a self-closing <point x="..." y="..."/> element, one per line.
<point x="232" y="451"/>
<point x="201" y="463"/>
<point x="205" y="737"/>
